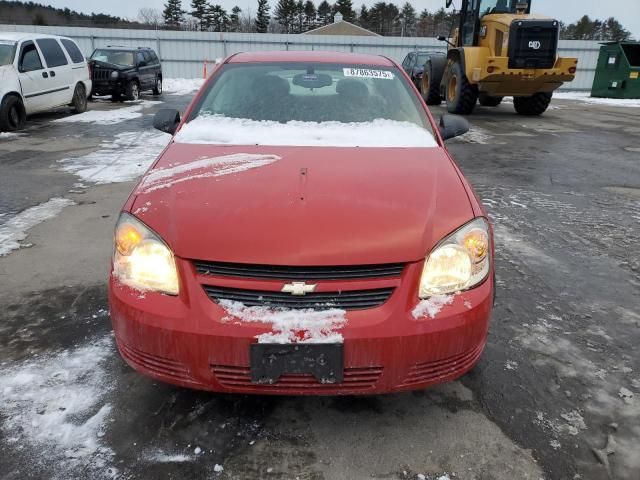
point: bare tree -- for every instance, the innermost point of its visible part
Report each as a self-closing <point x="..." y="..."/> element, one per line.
<point x="150" y="16"/>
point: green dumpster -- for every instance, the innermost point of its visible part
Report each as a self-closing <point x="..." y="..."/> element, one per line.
<point x="618" y="71"/>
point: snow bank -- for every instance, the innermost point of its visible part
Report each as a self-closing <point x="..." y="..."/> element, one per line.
<point x="431" y="306"/>
<point x="204" y="167"/>
<point x="104" y="117"/>
<point x="585" y="97"/>
<point x="15" y="229"/>
<point x="54" y="405"/>
<point x="10" y="135"/>
<point x="290" y="325"/>
<point x="120" y="160"/>
<point x="241" y="131"/>
<point x="181" y="86"/>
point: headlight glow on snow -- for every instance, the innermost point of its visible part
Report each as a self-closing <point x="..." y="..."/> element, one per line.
<point x="460" y="262"/>
<point x="141" y="259"/>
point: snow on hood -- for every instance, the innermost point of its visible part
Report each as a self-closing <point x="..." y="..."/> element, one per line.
<point x="217" y="130"/>
<point x="203" y="167"/>
<point x="291" y="325"/>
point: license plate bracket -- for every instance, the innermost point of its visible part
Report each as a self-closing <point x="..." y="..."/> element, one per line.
<point x="270" y="361"/>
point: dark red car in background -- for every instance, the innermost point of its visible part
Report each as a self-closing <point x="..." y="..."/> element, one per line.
<point x="304" y="232"/>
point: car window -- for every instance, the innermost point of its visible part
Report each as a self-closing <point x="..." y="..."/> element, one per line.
<point x="311" y="92"/>
<point x="29" y="58"/>
<point x="154" y="57"/>
<point x="140" y="58"/>
<point x="147" y="57"/>
<point x="115" y="57"/>
<point x="52" y="51"/>
<point x="7" y="52"/>
<point x="412" y="60"/>
<point x="405" y="62"/>
<point x="72" y="49"/>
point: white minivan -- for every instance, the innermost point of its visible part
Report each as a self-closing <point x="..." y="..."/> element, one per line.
<point x="39" y="72"/>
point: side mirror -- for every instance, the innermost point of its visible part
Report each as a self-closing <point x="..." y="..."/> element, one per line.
<point x="452" y="126"/>
<point x="166" y="120"/>
<point x="442" y="38"/>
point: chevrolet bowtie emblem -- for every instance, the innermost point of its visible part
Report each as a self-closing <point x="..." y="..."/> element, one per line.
<point x="298" y="288"/>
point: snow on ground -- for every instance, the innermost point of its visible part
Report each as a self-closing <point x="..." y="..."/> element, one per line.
<point x="53" y="409"/>
<point x="157" y="456"/>
<point x="14" y="230"/>
<point x="204" y="168"/>
<point x="105" y="117"/>
<point x="431" y="306"/>
<point x="10" y="135"/>
<point x="586" y="97"/>
<point x="181" y="86"/>
<point x="119" y="160"/>
<point x="240" y="131"/>
<point x="290" y="325"/>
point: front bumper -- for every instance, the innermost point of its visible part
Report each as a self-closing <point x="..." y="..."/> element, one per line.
<point x="185" y="340"/>
<point x="108" y="87"/>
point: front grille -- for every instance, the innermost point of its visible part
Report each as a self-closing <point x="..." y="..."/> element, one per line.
<point x="166" y="367"/>
<point x="101" y="74"/>
<point x="533" y="43"/>
<point x="298" y="273"/>
<point x="231" y="376"/>
<point x="346" y="299"/>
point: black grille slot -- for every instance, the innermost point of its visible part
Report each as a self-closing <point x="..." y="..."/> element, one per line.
<point x="101" y="74"/>
<point x="298" y="273"/>
<point x="346" y="300"/>
<point x="533" y="43"/>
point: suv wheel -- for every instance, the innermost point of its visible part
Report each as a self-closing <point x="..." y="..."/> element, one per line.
<point x="157" y="90"/>
<point x="12" y="114"/>
<point x="79" y="102"/>
<point x="133" y="90"/>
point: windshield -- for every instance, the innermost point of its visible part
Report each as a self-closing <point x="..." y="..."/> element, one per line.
<point x="499" y="6"/>
<point x="311" y="92"/>
<point x="422" y="58"/>
<point x="116" y="57"/>
<point x="7" y="51"/>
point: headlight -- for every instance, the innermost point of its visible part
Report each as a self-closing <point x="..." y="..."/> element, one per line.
<point x="459" y="262"/>
<point x="114" y="74"/>
<point x="141" y="259"/>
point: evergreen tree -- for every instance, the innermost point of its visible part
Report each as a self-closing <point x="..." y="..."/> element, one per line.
<point x="363" y="17"/>
<point x="173" y="13"/>
<point x="299" y="17"/>
<point x="345" y="7"/>
<point x="234" y="19"/>
<point x="324" y="13"/>
<point x="200" y="11"/>
<point x="262" y="16"/>
<point x="309" y="14"/>
<point x="383" y="18"/>
<point x="217" y="18"/>
<point x="285" y="14"/>
<point x="408" y="15"/>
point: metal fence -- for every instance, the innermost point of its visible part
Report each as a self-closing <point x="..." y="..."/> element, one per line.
<point x="183" y="53"/>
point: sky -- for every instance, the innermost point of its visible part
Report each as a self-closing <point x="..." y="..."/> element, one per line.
<point x="568" y="11"/>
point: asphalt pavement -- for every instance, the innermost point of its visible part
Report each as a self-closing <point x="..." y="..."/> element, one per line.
<point x="555" y="396"/>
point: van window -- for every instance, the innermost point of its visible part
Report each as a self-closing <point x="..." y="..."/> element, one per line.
<point x="29" y="58"/>
<point x="72" y="49"/>
<point x="52" y="51"/>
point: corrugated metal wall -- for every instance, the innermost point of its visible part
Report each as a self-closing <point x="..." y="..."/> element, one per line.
<point x="183" y="53"/>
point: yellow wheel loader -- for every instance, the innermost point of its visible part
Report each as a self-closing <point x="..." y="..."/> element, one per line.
<point x="498" y="49"/>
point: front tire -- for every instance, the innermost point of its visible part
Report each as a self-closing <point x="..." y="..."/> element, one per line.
<point x="12" y="114"/>
<point x="461" y="95"/>
<point x="536" y="104"/>
<point x="430" y="88"/>
<point x="132" y="91"/>
<point x="79" y="102"/>
<point x="157" y="90"/>
<point x="489" y="101"/>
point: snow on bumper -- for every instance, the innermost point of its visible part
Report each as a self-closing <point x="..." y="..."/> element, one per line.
<point x="189" y="341"/>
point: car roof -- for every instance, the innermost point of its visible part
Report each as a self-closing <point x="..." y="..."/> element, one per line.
<point x="19" y="36"/>
<point x="311" y="56"/>
<point x="123" y="47"/>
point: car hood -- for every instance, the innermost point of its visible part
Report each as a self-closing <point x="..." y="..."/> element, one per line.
<point x="302" y="205"/>
<point x="112" y="66"/>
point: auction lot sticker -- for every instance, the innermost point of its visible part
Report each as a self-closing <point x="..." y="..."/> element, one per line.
<point x="367" y="73"/>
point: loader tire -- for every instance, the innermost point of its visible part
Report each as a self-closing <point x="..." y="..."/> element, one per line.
<point x="430" y="87"/>
<point x="489" y="101"/>
<point x="461" y="95"/>
<point x="536" y="104"/>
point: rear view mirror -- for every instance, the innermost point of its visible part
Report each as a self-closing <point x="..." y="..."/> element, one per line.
<point x="452" y="126"/>
<point x="312" y="80"/>
<point x="442" y="38"/>
<point x="166" y="120"/>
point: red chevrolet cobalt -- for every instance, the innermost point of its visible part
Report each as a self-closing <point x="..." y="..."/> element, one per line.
<point x="304" y="232"/>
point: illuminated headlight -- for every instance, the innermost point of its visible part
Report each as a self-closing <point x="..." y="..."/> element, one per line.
<point x="114" y="74"/>
<point x="141" y="259"/>
<point x="459" y="262"/>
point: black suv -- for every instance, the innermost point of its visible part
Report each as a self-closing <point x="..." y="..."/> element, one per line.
<point x="125" y="71"/>
<point x="414" y="62"/>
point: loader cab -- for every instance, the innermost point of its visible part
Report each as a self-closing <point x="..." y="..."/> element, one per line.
<point x="472" y="12"/>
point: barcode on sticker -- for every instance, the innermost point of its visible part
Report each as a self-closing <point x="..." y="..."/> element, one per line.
<point x="367" y="73"/>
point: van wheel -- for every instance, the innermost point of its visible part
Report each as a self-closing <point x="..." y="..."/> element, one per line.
<point x="489" y="101"/>
<point x="12" y="114"/>
<point x="132" y="91"/>
<point x="157" y="90"/>
<point x="461" y="95"/>
<point x="536" y="104"/>
<point x="430" y="88"/>
<point x="79" y="102"/>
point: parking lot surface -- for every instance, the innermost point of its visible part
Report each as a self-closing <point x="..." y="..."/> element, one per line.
<point x="555" y="396"/>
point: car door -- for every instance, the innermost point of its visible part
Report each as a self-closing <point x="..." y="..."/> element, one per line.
<point x="59" y="70"/>
<point x="145" y="71"/>
<point x="34" y="79"/>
